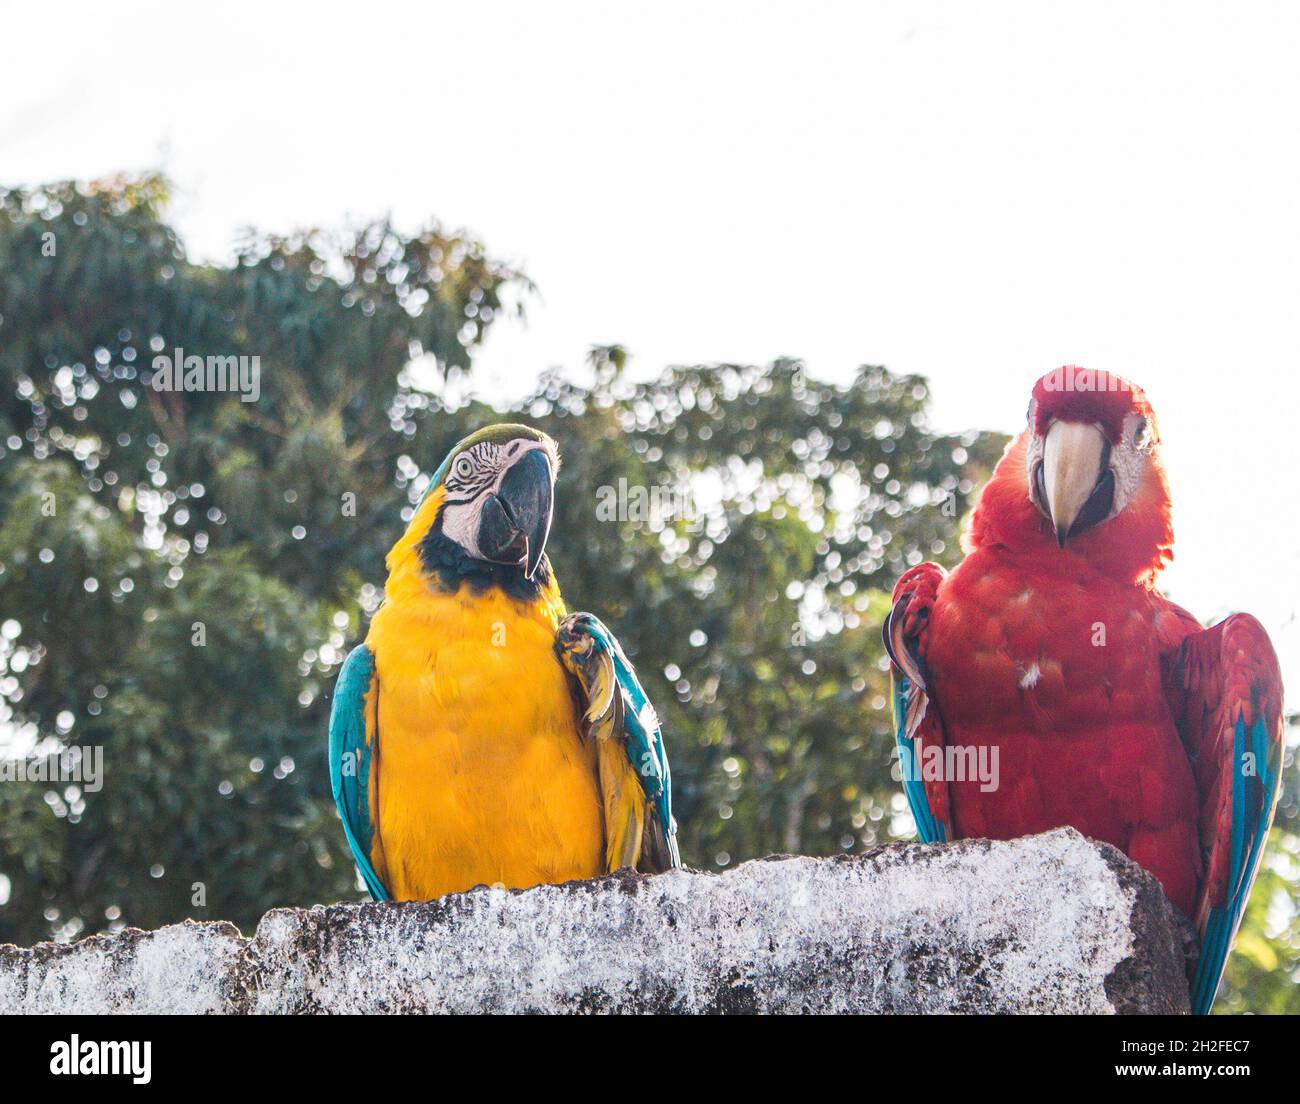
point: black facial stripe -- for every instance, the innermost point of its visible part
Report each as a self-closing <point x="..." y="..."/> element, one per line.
<point x="483" y="460"/>
<point x="460" y="496"/>
<point x="472" y="485"/>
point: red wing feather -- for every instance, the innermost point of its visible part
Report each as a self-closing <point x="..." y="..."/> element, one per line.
<point x="1226" y="689"/>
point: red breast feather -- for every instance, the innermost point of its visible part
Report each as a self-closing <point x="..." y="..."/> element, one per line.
<point x="1053" y="656"/>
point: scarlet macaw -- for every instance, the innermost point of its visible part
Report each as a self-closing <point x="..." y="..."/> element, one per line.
<point x="479" y="735"/>
<point x="1112" y="710"/>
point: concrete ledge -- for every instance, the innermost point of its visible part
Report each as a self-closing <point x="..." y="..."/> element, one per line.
<point x="1050" y="923"/>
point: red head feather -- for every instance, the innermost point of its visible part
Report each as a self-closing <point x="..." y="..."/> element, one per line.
<point x="1073" y="394"/>
<point x="1136" y="543"/>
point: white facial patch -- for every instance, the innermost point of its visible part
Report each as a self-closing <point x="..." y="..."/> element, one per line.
<point x="475" y="474"/>
<point x="1030" y="678"/>
<point x="1128" y="460"/>
<point x="460" y="523"/>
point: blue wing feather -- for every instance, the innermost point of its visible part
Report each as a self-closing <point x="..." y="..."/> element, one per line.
<point x="349" y="758"/>
<point x="927" y="826"/>
<point x="1249" y="832"/>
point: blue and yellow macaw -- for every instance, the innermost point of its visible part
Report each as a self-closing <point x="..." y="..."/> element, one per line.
<point x="479" y="736"/>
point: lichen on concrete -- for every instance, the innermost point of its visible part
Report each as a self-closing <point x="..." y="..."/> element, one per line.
<point x="1049" y="923"/>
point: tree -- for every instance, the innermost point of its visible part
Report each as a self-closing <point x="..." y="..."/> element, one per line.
<point x="181" y="570"/>
<point x="208" y="561"/>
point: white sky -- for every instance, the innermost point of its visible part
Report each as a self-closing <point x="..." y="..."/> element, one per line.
<point x="975" y="192"/>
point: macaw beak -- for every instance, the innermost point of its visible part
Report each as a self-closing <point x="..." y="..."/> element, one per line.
<point x="516" y="520"/>
<point x="1073" y="484"/>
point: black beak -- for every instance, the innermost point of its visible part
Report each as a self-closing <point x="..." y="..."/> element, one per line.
<point x="516" y="520"/>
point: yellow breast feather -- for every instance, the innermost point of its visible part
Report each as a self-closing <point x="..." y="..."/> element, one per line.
<point x="482" y="774"/>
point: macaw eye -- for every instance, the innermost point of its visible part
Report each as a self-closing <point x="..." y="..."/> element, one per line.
<point x="1140" y="431"/>
<point x="464" y="467"/>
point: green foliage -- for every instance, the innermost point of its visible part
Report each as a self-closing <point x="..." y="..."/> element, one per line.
<point x="750" y="602"/>
<point x="135" y="522"/>
<point x="1263" y="974"/>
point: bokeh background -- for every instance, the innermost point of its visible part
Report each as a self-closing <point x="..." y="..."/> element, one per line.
<point x="704" y="229"/>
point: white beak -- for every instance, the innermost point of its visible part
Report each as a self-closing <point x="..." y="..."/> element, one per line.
<point x="1072" y="457"/>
